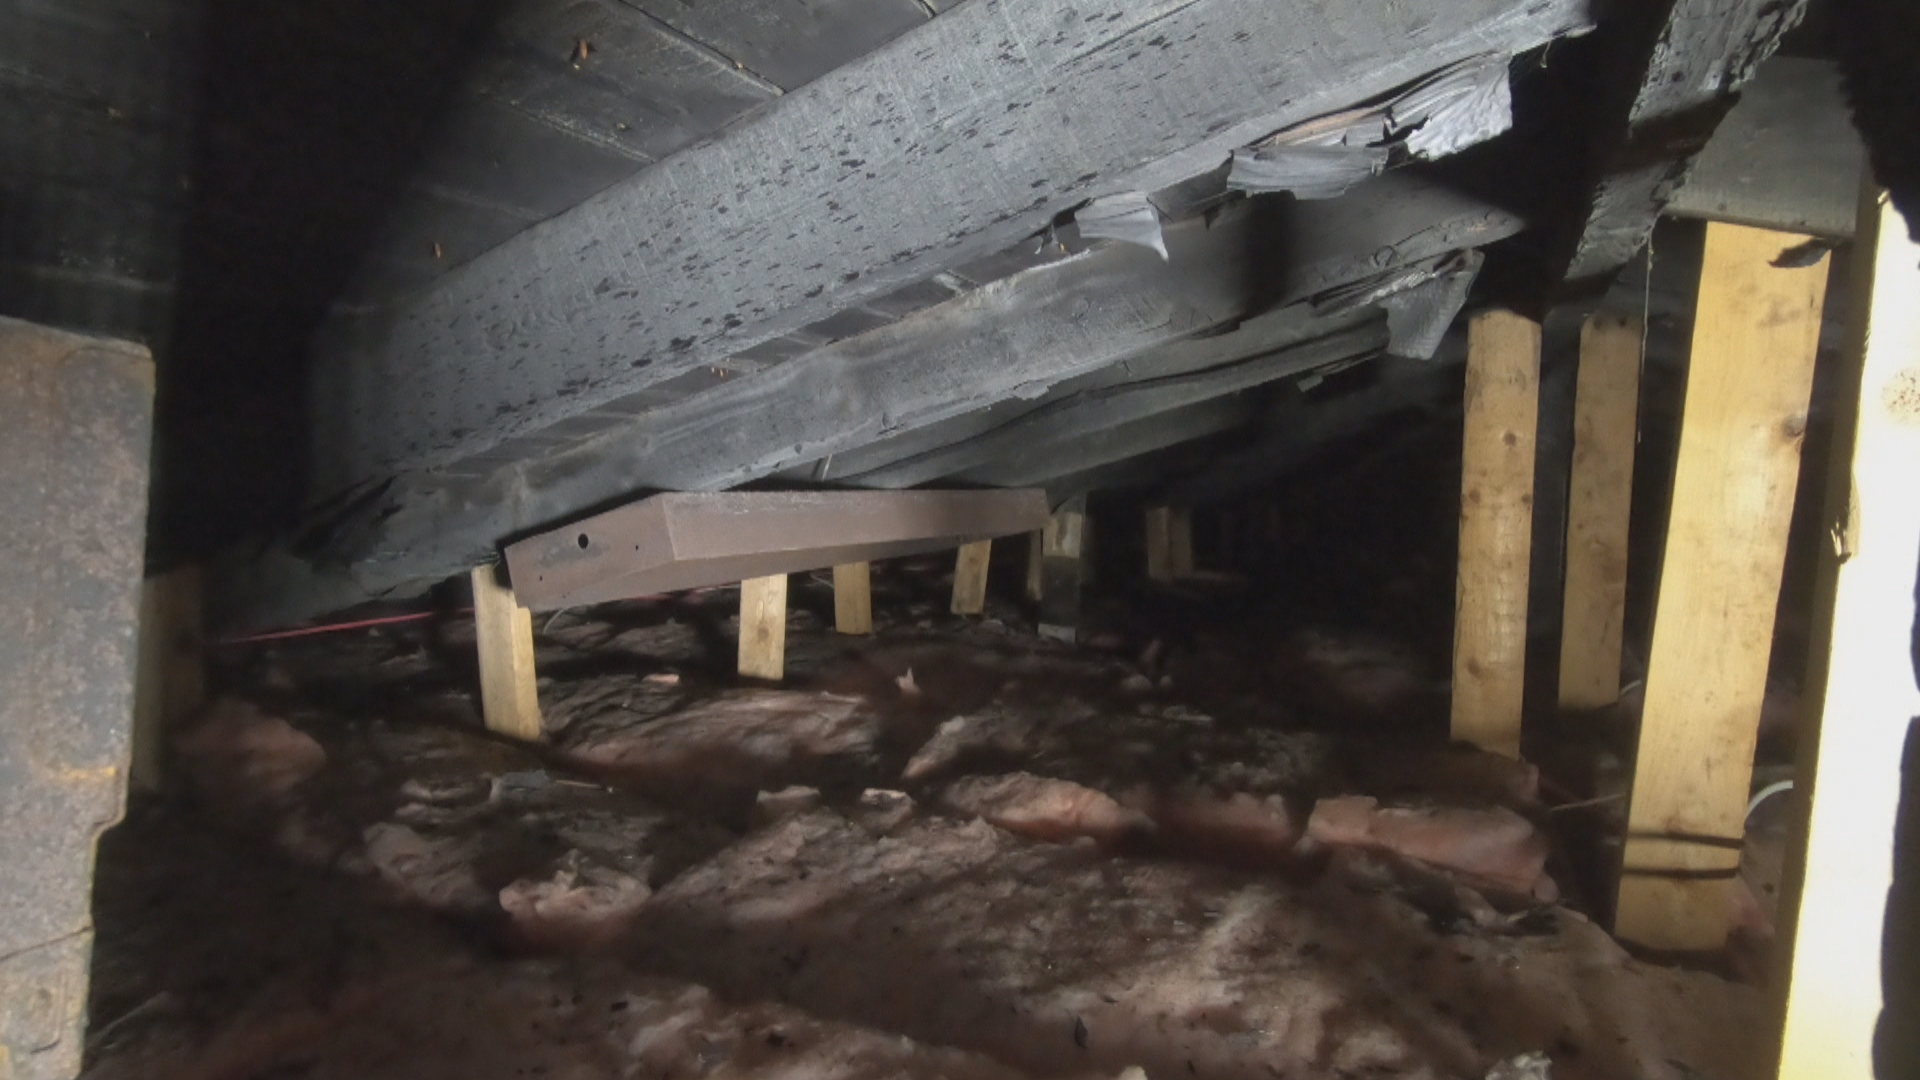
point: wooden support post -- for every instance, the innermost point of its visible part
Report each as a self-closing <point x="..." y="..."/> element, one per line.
<point x="171" y="677"/>
<point x="1861" y="676"/>
<point x="509" y="694"/>
<point x="853" y="598"/>
<point x="1063" y="545"/>
<point x="1036" y="554"/>
<point x="1599" y="509"/>
<point x="1169" y="543"/>
<point x="1756" y="329"/>
<point x="970" y="578"/>
<point x="1180" y="542"/>
<point x="763" y="628"/>
<point x="1496" y="530"/>
<point x="1160" y="543"/>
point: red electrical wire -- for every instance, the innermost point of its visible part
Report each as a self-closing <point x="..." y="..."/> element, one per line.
<point x="331" y="628"/>
<point x="389" y="620"/>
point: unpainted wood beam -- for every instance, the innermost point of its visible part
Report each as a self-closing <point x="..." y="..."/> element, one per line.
<point x="1599" y="510"/>
<point x="1496" y="530"/>
<point x="970" y="577"/>
<point x="763" y="628"/>
<point x="503" y="633"/>
<point x="170" y="682"/>
<point x="1169" y="543"/>
<point x="1756" y="331"/>
<point x="853" y="598"/>
<point x="1062" y="545"/>
<point x="1159" y="533"/>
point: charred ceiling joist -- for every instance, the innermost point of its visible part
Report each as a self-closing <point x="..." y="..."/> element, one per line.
<point x="1658" y="79"/>
<point x="1020" y="336"/>
<point x="947" y="144"/>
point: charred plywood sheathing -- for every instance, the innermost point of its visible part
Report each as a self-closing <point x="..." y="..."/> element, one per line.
<point x="1443" y="113"/>
<point x="1051" y="323"/>
<point x="946" y="135"/>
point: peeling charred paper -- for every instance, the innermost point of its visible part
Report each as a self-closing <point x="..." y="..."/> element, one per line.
<point x="1371" y="290"/>
<point x="1309" y="172"/>
<point x="1420" y="299"/>
<point x="1418" y="316"/>
<point x="1318" y="159"/>
<point x="1453" y="109"/>
<point x="1128" y="218"/>
<point x="1447" y="111"/>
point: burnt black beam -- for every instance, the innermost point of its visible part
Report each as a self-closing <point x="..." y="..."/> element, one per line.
<point x="947" y="144"/>
<point x="1615" y="119"/>
<point x="1015" y="447"/>
<point x="1785" y="158"/>
<point x="1017" y="336"/>
<point x="1382" y="226"/>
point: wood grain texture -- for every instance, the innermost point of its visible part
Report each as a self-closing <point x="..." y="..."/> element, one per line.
<point x="970" y="577"/>
<point x="763" y="628"/>
<point x="1183" y="373"/>
<point x="1069" y="318"/>
<point x="1496" y="530"/>
<point x="170" y="682"/>
<point x="503" y="633"/>
<point x="1599" y="510"/>
<point x="941" y="147"/>
<point x="1756" y="329"/>
<point x="1861" y="674"/>
<point x="853" y="598"/>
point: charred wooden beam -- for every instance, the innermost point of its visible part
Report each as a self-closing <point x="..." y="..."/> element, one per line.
<point x="1321" y="241"/>
<point x="1787" y="156"/>
<point x="1014" y="337"/>
<point x="947" y="144"/>
<point x="1355" y="336"/>
<point x="1663" y="75"/>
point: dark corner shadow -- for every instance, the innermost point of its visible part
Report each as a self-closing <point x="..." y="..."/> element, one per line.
<point x="307" y="120"/>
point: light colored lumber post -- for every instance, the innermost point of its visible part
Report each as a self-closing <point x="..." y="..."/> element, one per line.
<point x="1063" y="560"/>
<point x="503" y="632"/>
<point x="1036" y="554"/>
<point x="1600" y="507"/>
<point x="171" y="676"/>
<point x="763" y="628"/>
<point x="1180" y="542"/>
<point x="970" y="578"/>
<point x="1160" y="543"/>
<point x="1756" y="328"/>
<point x="1860" y="674"/>
<point x="1496" y="530"/>
<point x="853" y="598"/>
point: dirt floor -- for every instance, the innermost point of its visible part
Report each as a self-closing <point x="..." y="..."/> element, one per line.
<point x="952" y="849"/>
